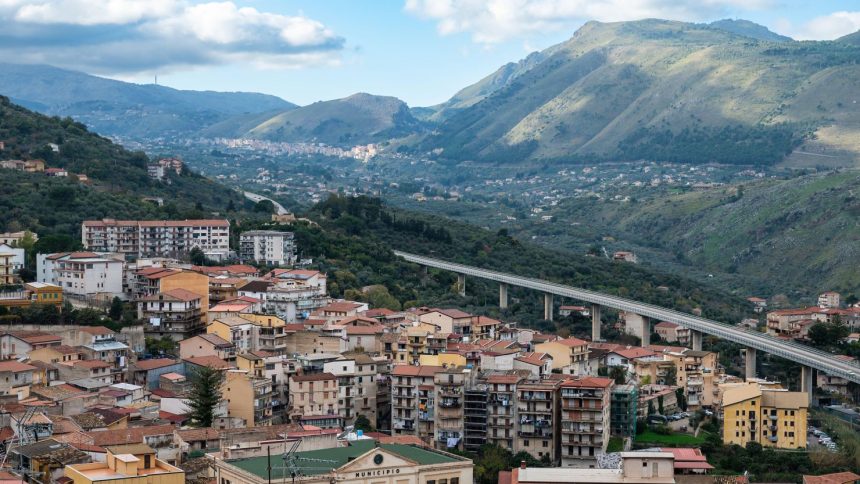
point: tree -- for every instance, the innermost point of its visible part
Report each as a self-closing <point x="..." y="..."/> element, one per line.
<point x="160" y="346"/>
<point x="651" y="407"/>
<point x="116" y="307"/>
<point x="205" y="395"/>
<point x="264" y="206"/>
<point x="682" y="398"/>
<point x="824" y="335"/>
<point x="660" y="404"/>
<point x="197" y="256"/>
<point x="363" y="423"/>
<point x="619" y="374"/>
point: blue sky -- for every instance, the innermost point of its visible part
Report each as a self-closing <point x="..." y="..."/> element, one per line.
<point x="421" y="51"/>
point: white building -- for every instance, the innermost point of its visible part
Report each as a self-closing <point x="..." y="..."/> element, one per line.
<point x="18" y="256"/>
<point x="829" y="299"/>
<point x="290" y="294"/>
<point x="147" y="238"/>
<point x="81" y="273"/>
<point x="268" y="246"/>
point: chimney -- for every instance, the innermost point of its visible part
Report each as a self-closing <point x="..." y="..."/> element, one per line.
<point x="522" y="464"/>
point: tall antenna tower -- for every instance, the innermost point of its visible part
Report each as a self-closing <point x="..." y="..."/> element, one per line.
<point x="293" y="464"/>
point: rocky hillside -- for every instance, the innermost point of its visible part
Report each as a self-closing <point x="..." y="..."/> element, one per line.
<point x="664" y="90"/>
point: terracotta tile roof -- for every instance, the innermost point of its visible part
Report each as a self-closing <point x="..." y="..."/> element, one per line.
<point x="571" y="342"/>
<point x="35" y="337"/>
<point x="452" y="313"/>
<point x="535" y="358"/>
<point x="341" y="307"/>
<point x="666" y="324"/>
<point x="836" y="478"/>
<point x="589" y="382"/>
<point x="210" y="361"/>
<point x="97" y="330"/>
<point x="410" y="370"/>
<point x="484" y="321"/>
<point x="214" y="339"/>
<point x="314" y="377"/>
<point x="15" y="366"/>
<point x="177" y="294"/>
<point x="146" y="365"/>
<point x="509" y="379"/>
<point x="378" y="312"/>
<point x="364" y="330"/>
<point x="129" y="436"/>
<point x="91" y="364"/>
<point x="634" y="352"/>
<point x="191" y="435"/>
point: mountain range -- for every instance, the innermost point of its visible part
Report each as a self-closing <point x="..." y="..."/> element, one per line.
<point x="730" y="91"/>
<point x="113" y="107"/>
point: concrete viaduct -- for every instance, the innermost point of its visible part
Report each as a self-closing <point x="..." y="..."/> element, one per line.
<point x="754" y="341"/>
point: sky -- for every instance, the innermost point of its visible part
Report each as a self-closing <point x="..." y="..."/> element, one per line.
<point x="421" y="51"/>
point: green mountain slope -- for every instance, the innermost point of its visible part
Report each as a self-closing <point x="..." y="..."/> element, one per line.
<point x="357" y="119"/>
<point x="797" y="233"/>
<point x="118" y="182"/>
<point x="664" y="90"/>
<point x="125" y="109"/>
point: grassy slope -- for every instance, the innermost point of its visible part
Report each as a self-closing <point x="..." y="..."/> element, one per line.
<point x="610" y="80"/>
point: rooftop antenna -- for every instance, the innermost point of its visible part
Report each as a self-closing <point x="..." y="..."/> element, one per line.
<point x="292" y="463"/>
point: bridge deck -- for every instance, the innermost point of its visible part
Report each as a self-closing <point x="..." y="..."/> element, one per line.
<point x="805" y="355"/>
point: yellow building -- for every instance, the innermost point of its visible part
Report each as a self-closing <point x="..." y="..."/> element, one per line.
<point x="33" y="293"/>
<point x="153" y="280"/>
<point x="771" y="417"/>
<point x="253" y="364"/>
<point x="448" y="360"/>
<point x="248" y="397"/>
<point x="566" y="353"/>
<point x="127" y="464"/>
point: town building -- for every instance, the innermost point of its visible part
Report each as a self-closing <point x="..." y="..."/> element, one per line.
<point x="152" y="281"/>
<point x="33" y="293"/>
<point x="585" y="420"/>
<point x="768" y="416"/>
<point x="146" y="238"/>
<point x="270" y="247"/>
<point x="357" y="375"/>
<point x="539" y="417"/>
<point x="176" y="314"/>
<point x="569" y="355"/>
<point x="501" y="409"/>
<point x="314" y="395"/>
<point x="622" y="412"/>
<point x="18" y="256"/>
<point x="16" y="378"/>
<point x="361" y="462"/>
<point x="290" y="294"/>
<point x="135" y="463"/>
<point x="249" y="397"/>
<point x="829" y="300"/>
<point x="475" y="417"/>
<point x="207" y="344"/>
<point x="449" y="387"/>
<point x="635" y="468"/>
<point x="82" y="274"/>
<point x="16" y="238"/>
<point x="413" y="400"/>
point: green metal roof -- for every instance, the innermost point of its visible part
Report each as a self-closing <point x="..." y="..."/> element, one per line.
<point x="339" y="456"/>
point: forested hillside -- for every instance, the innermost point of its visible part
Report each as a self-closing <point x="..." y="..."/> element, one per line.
<point x="357" y="236"/>
<point x="117" y="179"/>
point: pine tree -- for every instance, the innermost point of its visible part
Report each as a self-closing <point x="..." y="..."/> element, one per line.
<point x="205" y="395"/>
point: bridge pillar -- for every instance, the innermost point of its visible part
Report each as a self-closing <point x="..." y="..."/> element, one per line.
<point x="807" y="382"/>
<point x="503" y="296"/>
<point x="750" y="363"/>
<point x="595" y="322"/>
<point x="696" y="340"/>
<point x="461" y="284"/>
<point x="547" y="306"/>
<point x="646" y="330"/>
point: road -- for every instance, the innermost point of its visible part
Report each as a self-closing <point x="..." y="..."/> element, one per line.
<point x="805" y="355"/>
<point x="257" y="198"/>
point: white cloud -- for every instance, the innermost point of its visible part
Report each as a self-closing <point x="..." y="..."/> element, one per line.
<point x="129" y="36"/>
<point x="492" y="21"/>
<point x="828" y="27"/>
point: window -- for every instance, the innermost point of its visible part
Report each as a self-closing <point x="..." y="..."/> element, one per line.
<point x="455" y="480"/>
<point x="526" y="443"/>
<point x="431" y="481"/>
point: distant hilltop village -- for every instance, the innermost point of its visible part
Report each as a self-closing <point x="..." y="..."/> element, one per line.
<point x="360" y="152"/>
<point x="340" y="390"/>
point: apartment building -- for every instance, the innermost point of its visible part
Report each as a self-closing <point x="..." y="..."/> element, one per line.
<point x="356" y="375"/>
<point x="696" y="372"/>
<point x="623" y="411"/>
<point x="146" y="238"/>
<point x="829" y="299"/>
<point x="585" y="420"/>
<point x="772" y="417"/>
<point x="207" y="344"/>
<point x="502" y="409"/>
<point x="176" y="314"/>
<point x="474" y="417"/>
<point x="413" y="400"/>
<point x="268" y="247"/>
<point x="673" y="333"/>
<point x="82" y="273"/>
<point x="18" y="256"/>
<point x="449" y="387"/>
<point x="448" y="321"/>
<point x="313" y="395"/>
<point x="248" y="397"/>
<point x="539" y="417"/>
<point x="152" y="281"/>
<point x="100" y="343"/>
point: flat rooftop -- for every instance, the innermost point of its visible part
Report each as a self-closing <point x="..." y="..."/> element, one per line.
<point x="340" y="456"/>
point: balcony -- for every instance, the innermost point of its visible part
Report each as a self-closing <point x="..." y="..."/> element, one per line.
<point x="450" y="403"/>
<point x="403" y="425"/>
<point x="536" y="433"/>
<point x="450" y="391"/>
